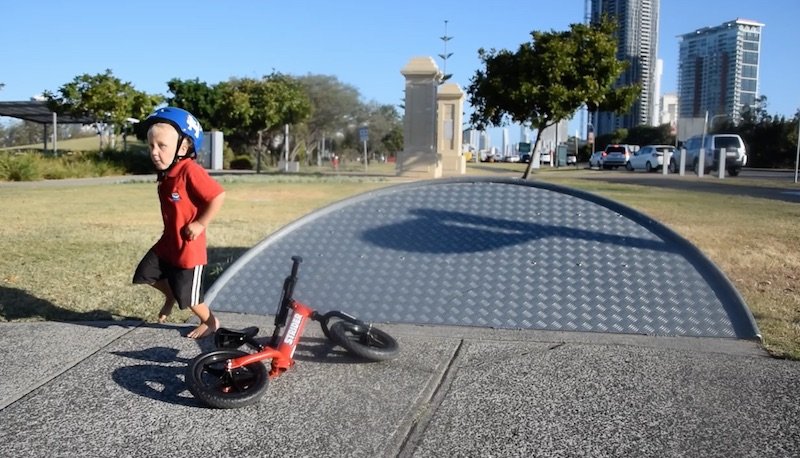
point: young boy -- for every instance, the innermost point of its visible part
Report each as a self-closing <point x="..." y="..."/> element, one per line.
<point x="190" y="199"/>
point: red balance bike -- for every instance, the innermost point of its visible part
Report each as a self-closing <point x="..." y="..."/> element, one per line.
<point x="228" y="378"/>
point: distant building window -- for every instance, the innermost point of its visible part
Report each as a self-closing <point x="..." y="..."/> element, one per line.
<point x="750" y="57"/>
<point x="749" y="71"/>
<point x="748" y="85"/>
<point x="748" y="99"/>
<point x="750" y="46"/>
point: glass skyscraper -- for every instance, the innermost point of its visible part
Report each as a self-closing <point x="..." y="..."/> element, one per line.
<point x="637" y="43"/>
<point x="718" y="70"/>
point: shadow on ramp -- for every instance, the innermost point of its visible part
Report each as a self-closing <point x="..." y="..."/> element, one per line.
<point x="492" y="252"/>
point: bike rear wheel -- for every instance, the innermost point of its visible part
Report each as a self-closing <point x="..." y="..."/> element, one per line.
<point x="209" y="381"/>
<point x="364" y="341"/>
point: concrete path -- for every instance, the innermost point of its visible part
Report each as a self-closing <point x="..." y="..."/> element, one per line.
<point x="117" y="389"/>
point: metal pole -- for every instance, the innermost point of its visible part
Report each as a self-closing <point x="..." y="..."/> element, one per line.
<point x="286" y="148"/>
<point x="321" y="152"/>
<point x="701" y="157"/>
<point x="365" y="155"/>
<point x="55" y="134"/>
<point x="797" y="155"/>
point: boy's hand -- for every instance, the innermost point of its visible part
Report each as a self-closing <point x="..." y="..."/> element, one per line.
<point x="193" y="230"/>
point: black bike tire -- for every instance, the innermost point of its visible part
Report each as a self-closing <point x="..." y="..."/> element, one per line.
<point x="352" y="337"/>
<point x="224" y="394"/>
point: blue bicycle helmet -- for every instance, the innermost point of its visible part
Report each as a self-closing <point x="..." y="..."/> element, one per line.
<point x="183" y="121"/>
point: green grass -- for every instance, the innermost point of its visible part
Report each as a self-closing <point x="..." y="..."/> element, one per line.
<point x="90" y="143"/>
<point x="69" y="252"/>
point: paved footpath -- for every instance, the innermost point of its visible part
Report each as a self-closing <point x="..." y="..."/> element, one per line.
<point x="102" y="389"/>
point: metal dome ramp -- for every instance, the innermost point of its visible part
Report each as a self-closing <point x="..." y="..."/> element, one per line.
<point x="491" y="252"/>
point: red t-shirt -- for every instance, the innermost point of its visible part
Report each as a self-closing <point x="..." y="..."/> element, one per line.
<point x="184" y="193"/>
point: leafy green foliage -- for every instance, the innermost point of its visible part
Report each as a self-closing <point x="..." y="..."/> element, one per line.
<point x="547" y="79"/>
<point x="244" y="109"/>
<point x="103" y="98"/>
<point x="32" y="166"/>
<point x="771" y="140"/>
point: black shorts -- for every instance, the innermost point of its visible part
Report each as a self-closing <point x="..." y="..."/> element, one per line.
<point x="186" y="284"/>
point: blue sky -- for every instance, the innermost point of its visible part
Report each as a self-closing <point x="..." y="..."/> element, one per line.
<point x="363" y="43"/>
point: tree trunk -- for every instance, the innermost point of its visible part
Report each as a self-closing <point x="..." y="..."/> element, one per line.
<point x="534" y="154"/>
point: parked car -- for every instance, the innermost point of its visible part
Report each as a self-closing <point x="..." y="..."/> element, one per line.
<point x="735" y="153"/>
<point x="511" y="158"/>
<point x="572" y="159"/>
<point x="617" y="155"/>
<point x="596" y="159"/>
<point x="525" y="157"/>
<point x="650" y="157"/>
<point x="544" y="157"/>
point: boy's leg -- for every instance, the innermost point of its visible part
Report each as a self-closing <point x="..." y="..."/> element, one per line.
<point x="187" y="288"/>
<point x="169" y="299"/>
<point x="208" y="322"/>
<point x="150" y="272"/>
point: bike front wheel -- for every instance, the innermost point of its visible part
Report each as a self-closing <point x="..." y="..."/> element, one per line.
<point x="364" y="341"/>
<point x="209" y="381"/>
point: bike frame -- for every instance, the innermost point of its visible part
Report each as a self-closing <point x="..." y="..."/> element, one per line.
<point x="282" y="354"/>
<point x="282" y="345"/>
<point x="285" y="338"/>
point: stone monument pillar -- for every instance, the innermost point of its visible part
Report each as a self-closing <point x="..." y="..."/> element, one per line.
<point x="449" y="107"/>
<point x="419" y="157"/>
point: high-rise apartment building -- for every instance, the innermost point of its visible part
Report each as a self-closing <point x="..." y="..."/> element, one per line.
<point x="637" y="44"/>
<point x="669" y="109"/>
<point x="718" y="70"/>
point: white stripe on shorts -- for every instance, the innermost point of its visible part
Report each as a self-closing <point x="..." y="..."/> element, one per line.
<point x="196" y="283"/>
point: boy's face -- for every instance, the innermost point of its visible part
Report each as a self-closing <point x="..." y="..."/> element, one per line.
<point x="163" y="141"/>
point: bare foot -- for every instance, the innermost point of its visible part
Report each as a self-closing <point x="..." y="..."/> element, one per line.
<point x="203" y="330"/>
<point x="164" y="313"/>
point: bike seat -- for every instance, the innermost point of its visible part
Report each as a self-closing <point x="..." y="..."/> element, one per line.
<point x="250" y="331"/>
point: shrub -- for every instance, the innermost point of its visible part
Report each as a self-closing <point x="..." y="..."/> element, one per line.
<point x="242" y="163"/>
<point x="227" y="156"/>
<point x="20" y="167"/>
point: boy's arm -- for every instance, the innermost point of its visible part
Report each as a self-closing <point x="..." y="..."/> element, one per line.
<point x="196" y="227"/>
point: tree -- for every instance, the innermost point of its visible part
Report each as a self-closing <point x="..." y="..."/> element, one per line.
<point x="103" y="98"/>
<point x="196" y="97"/>
<point x="768" y="138"/>
<point x="333" y="104"/>
<point x="548" y="79"/>
<point x="649" y="135"/>
<point x="250" y="109"/>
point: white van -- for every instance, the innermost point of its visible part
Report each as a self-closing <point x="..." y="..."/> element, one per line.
<point x="735" y="153"/>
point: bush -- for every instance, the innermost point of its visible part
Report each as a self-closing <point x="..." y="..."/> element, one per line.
<point x="227" y="156"/>
<point x="136" y="161"/>
<point x="20" y="167"/>
<point x="242" y="163"/>
<point x="32" y="166"/>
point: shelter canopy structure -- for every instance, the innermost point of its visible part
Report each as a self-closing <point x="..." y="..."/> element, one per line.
<point x="37" y="111"/>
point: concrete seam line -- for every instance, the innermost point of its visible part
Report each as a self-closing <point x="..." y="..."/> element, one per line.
<point x="429" y="406"/>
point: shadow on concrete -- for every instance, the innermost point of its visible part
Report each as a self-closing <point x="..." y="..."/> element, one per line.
<point x="16" y="304"/>
<point x="160" y="380"/>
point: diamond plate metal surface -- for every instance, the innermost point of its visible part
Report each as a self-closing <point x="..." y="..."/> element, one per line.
<point x="493" y="253"/>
